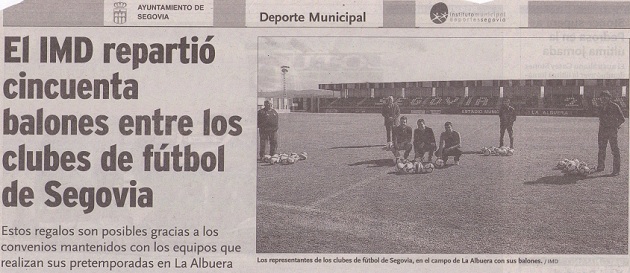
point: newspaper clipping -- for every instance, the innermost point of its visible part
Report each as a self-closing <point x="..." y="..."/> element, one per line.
<point x="315" y="136"/>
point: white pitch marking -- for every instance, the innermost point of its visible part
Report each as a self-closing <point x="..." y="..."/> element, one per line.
<point x="365" y="225"/>
<point x="354" y="186"/>
<point x="337" y="214"/>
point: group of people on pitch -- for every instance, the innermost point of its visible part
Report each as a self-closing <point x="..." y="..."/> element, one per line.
<point x="422" y="140"/>
<point x="400" y="137"/>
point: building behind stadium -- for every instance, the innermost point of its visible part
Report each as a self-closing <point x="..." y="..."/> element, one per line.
<point x="566" y="97"/>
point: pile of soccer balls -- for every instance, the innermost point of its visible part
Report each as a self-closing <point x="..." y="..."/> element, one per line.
<point x="503" y="151"/>
<point x="406" y="166"/>
<point x="285" y="158"/>
<point x="574" y="167"/>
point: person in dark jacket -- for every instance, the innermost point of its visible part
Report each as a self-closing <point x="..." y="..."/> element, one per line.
<point x="507" y="116"/>
<point x="268" y="129"/>
<point x="450" y="144"/>
<point x="423" y="141"/>
<point x="401" y="136"/>
<point x="610" y="120"/>
<point x="390" y="113"/>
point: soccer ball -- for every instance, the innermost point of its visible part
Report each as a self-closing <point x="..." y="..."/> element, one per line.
<point x="486" y="151"/>
<point x="409" y="168"/>
<point x="582" y="165"/>
<point x="400" y="166"/>
<point x="418" y="167"/>
<point x="294" y="157"/>
<point x="303" y="155"/>
<point x="502" y="151"/>
<point x="389" y="146"/>
<point x="283" y="158"/>
<point x="290" y="160"/>
<point x="561" y="165"/>
<point x="571" y="167"/>
<point x="428" y="167"/>
<point x="576" y="161"/>
<point x="439" y="163"/>
<point x="584" y="170"/>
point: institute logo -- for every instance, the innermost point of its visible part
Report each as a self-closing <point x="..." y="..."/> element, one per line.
<point x="439" y="13"/>
<point x="120" y="12"/>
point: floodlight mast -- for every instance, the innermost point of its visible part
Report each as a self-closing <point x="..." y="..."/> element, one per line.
<point x="284" y="70"/>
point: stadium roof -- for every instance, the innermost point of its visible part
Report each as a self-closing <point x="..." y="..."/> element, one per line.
<point x="298" y="93"/>
<point x="488" y="83"/>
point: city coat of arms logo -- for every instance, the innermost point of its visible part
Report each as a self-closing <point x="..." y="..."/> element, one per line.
<point x="120" y="12"/>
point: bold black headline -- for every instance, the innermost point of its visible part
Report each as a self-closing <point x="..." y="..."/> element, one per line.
<point x="156" y="157"/>
<point x="81" y="50"/>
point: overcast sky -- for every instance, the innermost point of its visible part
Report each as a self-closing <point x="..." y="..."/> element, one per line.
<point x="316" y="60"/>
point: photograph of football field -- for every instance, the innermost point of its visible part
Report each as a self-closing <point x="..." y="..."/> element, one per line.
<point x="347" y="198"/>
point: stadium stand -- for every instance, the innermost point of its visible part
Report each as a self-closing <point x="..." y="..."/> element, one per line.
<point x="349" y="102"/>
<point x="434" y="102"/>
<point x="564" y="101"/>
<point x="570" y="97"/>
<point x="519" y="102"/>
<point x="480" y="102"/>
<point x="370" y="102"/>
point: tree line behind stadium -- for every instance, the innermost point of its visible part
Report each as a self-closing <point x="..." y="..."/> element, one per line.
<point x="529" y="97"/>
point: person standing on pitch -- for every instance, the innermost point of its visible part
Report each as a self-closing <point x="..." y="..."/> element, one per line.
<point x="423" y="141"/>
<point x="401" y="136"/>
<point x="610" y="120"/>
<point x="507" y="116"/>
<point x="267" y="129"/>
<point x="390" y="112"/>
<point x="450" y="143"/>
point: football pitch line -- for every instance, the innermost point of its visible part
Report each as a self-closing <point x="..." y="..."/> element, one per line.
<point x="359" y="223"/>
<point x="312" y="207"/>
<point x="339" y="215"/>
<point x="388" y="235"/>
<point x="331" y="196"/>
<point x="327" y="219"/>
<point x="288" y="207"/>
